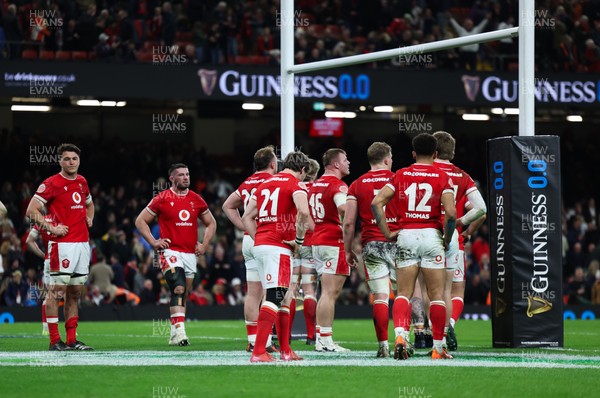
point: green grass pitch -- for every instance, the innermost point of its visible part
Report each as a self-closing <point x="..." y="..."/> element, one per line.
<point x="132" y="359"/>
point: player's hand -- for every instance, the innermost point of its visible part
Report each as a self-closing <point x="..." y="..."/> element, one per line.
<point x="161" y="244"/>
<point x="467" y="235"/>
<point x="89" y="221"/>
<point x="295" y="247"/>
<point x="58" y="230"/>
<point x="200" y="249"/>
<point x="393" y="236"/>
<point x="352" y="259"/>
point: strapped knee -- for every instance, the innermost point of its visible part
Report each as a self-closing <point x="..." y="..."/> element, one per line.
<point x="276" y="295"/>
<point x="175" y="278"/>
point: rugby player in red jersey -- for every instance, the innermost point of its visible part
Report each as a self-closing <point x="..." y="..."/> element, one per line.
<point x="327" y="199"/>
<point x="265" y="165"/>
<point x="178" y="210"/>
<point x="305" y="274"/>
<point x="277" y="218"/>
<point x="465" y="191"/>
<point x="32" y="244"/>
<point x="422" y="190"/>
<point x="66" y="196"/>
<point x="378" y="253"/>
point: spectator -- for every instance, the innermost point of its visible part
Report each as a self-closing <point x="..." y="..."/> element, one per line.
<point x="468" y="54"/>
<point x="118" y="271"/>
<point x="265" y="42"/>
<point x="477" y="289"/>
<point x="200" y="296"/>
<point x="12" y="32"/>
<point x="147" y="294"/>
<point x="577" y="288"/>
<point x="219" y="291"/>
<point x="101" y="276"/>
<point x="169" y="24"/>
<point x="236" y="295"/>
<point x="16" y="293"/>
<point x="103" y="50"/>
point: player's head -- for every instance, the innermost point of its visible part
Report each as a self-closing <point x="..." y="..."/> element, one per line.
<point x="179" y="175"/>
<point x="265" y="159"/>
<point x="69" y="158"/>
<point x="335" y="160"/>
<point x="445" y="145"/>
<point x="424" y="146"/>
<point x="297" y="162"/>
<point x="380" y="153"/>
<point x="313" y="170"/>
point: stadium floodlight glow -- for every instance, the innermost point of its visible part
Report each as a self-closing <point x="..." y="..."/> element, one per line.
<point x="31" y="100"/>
<point x="478" y="117"/>
<point x="108" y="103"/>
<point x="362" y="108"/>
<point x="383" y="108"/>
<point x="88" y="103"/>
<point x="340" y="114"/>
<point x="318" y="106"/>
<point x="574" y="118"/>
<point x="179" y="111"/>
<point x="497" y="111"/>
<point x="511" y="111"/>
<point x="121" y="104"/>
<point x="30" y="108"/>
<point x="253" y="106"/>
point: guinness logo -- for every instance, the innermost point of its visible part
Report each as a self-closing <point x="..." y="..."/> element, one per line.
<point x="537" y="305"/>
<point x="500" y="306"/>
<point x="208" y="80"/>
<point x="471" y="84"/>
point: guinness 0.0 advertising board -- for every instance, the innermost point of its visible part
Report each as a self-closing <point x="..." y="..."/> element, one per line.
<point x="525" y="241"/>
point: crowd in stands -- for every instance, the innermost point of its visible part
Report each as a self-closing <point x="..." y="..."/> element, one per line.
<point x="248" y="32"/>
<point x="124" y="270"/>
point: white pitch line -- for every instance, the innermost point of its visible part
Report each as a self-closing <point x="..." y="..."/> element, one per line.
<point x="235" y="358"/>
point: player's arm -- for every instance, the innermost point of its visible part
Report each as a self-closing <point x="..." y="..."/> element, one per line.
<point x="3" y="211"/>
<point x="449" y="216"/>
<point x="340" y="200"/>
<point x="32" y="243"/>
<point x="230" y="208"/>
<point x="302" y="220"/>
<point x="249" y="217"/>
<point x="474" y="226"/>
<point x="377" y="205"/>
<point x="89" y="211"/>
<point x="211" y="227"/>
<point x="34" y="213"/>
<point x="302" y="216"/>
<point x="476" y="211"/>
<point x="142" y="223"/>
<point x="349" y="229"/>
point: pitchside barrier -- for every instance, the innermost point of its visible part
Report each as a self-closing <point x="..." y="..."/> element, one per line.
<point x="153" y="313"/>
<point x="524" y="215"/>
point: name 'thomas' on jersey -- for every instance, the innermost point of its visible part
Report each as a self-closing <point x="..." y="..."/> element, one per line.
<point x="419" y="190"/>
<point x="178" y="218"/>
<point x="276" y="219"/>
<point x="67" y="201"/>
<point x="248" y="187"/>
<point x="324" y="211"/>
<point x="363" y="190"/>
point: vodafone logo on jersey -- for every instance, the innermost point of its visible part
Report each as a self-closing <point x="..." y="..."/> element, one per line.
<point x="77" y="199"/>
<point x="184" y="216"/>
<point x="269" y="277"/>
